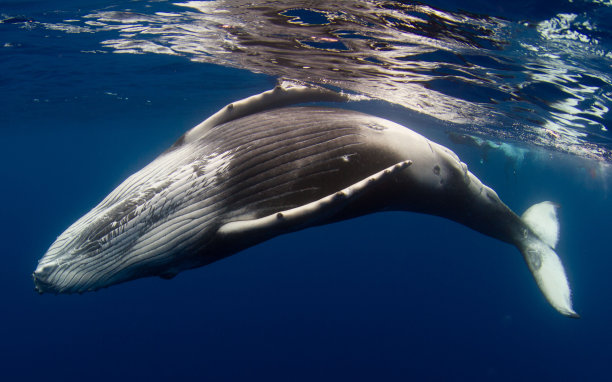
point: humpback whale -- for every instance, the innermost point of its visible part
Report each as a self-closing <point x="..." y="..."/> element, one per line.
<point x="264" y="166"/>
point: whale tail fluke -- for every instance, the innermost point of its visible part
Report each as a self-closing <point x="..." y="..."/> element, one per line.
<point x="537" y="248"/>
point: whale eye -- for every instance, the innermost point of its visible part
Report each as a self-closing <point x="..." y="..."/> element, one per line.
<point x="436" y="170"/>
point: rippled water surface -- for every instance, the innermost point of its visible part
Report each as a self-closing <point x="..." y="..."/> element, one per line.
<point x="523" y="73"/>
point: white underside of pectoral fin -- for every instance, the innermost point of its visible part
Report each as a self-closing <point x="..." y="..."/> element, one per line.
<point x="307" y="214"/>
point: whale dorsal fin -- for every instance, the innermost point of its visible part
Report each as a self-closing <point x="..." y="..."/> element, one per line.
<point x="284" y="94"/>
<point x="256" y="230"/>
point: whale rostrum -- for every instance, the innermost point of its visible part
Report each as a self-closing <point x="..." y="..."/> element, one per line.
<point x="262" y="167"/>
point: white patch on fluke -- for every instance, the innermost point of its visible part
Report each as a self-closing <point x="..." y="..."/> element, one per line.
<point x="550" y="276"/>
<point x="543" y="262"/>
<point x="542" y="219"/>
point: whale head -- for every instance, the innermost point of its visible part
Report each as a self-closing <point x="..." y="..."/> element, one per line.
<point x="148" y="226"/>
<point x="93" y="252"/>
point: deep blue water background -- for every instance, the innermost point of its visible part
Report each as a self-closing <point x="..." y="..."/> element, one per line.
<point x="393" y="296"/>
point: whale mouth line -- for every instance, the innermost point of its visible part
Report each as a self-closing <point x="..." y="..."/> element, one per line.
<point x="45" y="278"/>
<point x="39" y="285"/>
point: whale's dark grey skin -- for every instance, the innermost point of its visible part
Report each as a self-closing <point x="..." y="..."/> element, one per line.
<point x="260" y="168"/>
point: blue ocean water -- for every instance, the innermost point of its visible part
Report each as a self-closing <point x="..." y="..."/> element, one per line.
<point x="92" y="91"/>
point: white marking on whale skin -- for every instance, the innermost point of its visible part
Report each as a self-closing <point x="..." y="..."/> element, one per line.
<point x="217" y="164"/>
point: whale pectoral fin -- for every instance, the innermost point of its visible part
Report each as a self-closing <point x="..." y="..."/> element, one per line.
<point x="284" y="94"/>
<point x="256" y="230"/>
